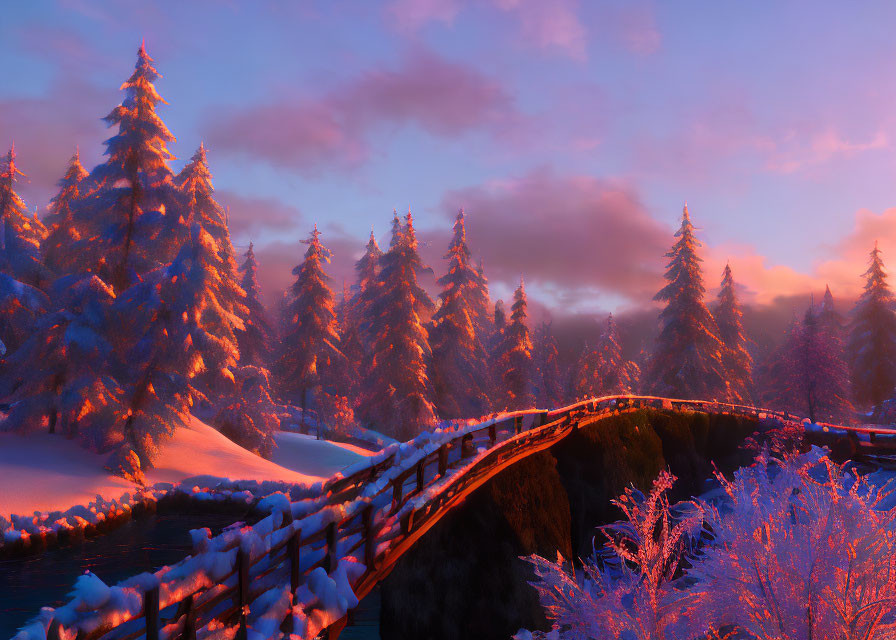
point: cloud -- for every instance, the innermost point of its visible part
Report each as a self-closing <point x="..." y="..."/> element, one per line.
<point x="411" y="15"/>
<point x="820" y="148"/>
<point x="253" y="217"/>
<point x="442" y="97"/>
<point x="564" y="234"/>
<point x="552" y="26"/>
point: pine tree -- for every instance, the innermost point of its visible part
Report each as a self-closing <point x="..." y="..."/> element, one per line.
<point x="250" y="416"/>
<point x="398" y="393"/>
<point x="618" y="376"/>
<point x="311" y="359"/>
<point x="357" y="323"/>
<point x="585" y="379"/>
<point x="254" y="340"/>
<point x="872" y="338"/>
<point x="132" y="213"/>
<point x="828" y="316"/>
<point x="687" y="360"/>
<point x="57" y="248"/>
<point x="184" y="345"/>
<point x="822" y="376"/>
<point x="480" y="305"/>
<point x="514" y="360"/>
<point x="20" y="235"/>
<point x="62" y="373"/>
<point x="200" y="208"/>
<point x="546" y="366"/>
<point x="737" y="360"/>
<point x="459" y="367"/>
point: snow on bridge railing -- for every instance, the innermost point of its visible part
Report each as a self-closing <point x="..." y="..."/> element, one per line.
<point x="304" y="566"/>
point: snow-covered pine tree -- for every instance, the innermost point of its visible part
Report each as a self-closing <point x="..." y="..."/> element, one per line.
<point x="546" y="367"/>
<point x="20" y="234"/>
<point x="131" y="207"/>
<point x="311" y="362"/>
<point x="822" y="376"/>
<point x="459" y="363"/>
<point x="254" y="340"/>
<point x="397" y="397"/>
<point x="21" y="306"/>
<point x="358" y="320"/>
<point x="736" y="358"/>
<point x="61" y="377"/>
<point x="687" y="359"/>
<point x="199" y="207"/>
<point x="514" y="362"/>
<point x="617" y="374"/>
<point x="481" y="306"/>
<point x="57" y="249"/>
<point x="774" y="376"/>
<point x="872" y="337"/>
<point x="183" y="345"/>
<point x="250" y="416"/>
<point x="585" y="378"/>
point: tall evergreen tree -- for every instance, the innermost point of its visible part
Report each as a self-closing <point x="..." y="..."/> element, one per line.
<point x="182" y="345"/>
<point x="822" y="376"/>
<point x="585" y="378"/>
<point x="132" y="210"/>
<point x="687" y="360"/>
<point x="398" y="396"/>
<point x="617" y="374"/>
<point x="20" y="235"/>
<point x="254" y="340"/>
<point x="311" y="361"/>
<point x="737" y="360"/>
<point x="200" y="208"/>
<point x="828" y="316"/>
<point x="546" y="367"/>
<point x="57" y="248"/>
<point x="357" y="325"/>
<point x="459" y="367"/>
<point x="872" y="338"/>
<point x="481" y="305"/>
<point x="515" y="357"/>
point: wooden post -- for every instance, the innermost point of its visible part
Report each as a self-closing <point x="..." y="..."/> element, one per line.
<point x="492" y="434"/>
<point x="517" y="424"/>
<point x="53" y="631"/>
<point x="443" y="460"/>
<point x="369" y="538"/>
<point x="189" y="614"/>
<point x="293" y="550"/>
<point x="421" y="468"/>
<point x="329" y="559"/>
<point x="397" y="490"/>
<point x="151" y="613"/>
<point x="242" y="592"/>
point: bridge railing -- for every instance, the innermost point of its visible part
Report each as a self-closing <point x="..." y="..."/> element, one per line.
<point x="371" y="515"/>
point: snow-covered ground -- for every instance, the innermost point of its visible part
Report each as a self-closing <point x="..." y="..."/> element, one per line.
<point x="309" y="455"/>
<point x="43" y="472"/>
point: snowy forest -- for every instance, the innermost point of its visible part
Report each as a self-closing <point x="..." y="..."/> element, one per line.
<point x="126" y="309"/>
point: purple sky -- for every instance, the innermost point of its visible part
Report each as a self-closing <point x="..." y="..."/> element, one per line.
<point x="571" y="132"/>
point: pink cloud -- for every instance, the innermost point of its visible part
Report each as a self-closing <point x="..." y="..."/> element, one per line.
<point x="411" y="15"/>
<point x="550" y="25"/>
<point x="440" y="96"/>
<point x="820" y="148"/>
<point x="564" y="233"/>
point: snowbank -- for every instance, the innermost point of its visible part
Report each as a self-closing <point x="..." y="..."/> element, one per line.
<point x="309" y="455"/>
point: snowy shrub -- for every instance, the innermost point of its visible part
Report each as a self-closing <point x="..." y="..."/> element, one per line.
<point x="250" y="418"/>
<point x="336" y="412"/>
<point x="798" y="549"/>
<point x="629" y="589"/>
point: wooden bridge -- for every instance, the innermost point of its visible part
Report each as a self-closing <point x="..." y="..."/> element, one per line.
<point x="371" y="517"/>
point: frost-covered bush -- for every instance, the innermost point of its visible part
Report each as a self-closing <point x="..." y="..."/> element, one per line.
<point x="797" y="549"/>
<point x="630" y="589"/>
<point x="800" y="550"/>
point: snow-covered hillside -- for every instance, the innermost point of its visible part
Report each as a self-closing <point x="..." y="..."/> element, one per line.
<point x="43" y="472"/>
